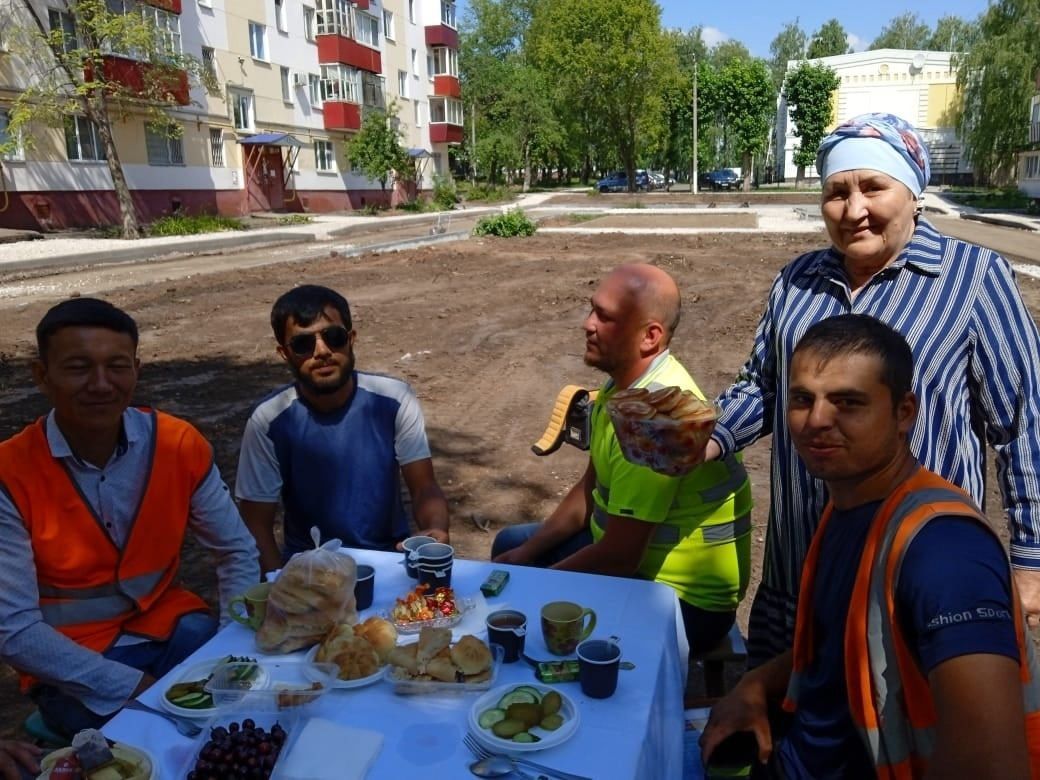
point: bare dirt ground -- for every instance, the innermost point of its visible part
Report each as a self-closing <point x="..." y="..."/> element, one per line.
<point x="486" y="331"/>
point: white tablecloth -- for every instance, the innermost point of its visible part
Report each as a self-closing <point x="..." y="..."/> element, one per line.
<point x="637" y="733"/>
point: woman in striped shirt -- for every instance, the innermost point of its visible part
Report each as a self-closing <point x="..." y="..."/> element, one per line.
<point x="975" y="346"/>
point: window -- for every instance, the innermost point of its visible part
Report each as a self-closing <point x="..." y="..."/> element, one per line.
<point x="61" y="20"/>
<point x="286" y="86"/>
<point x="402" y="83"/>
<point x="444" y="62"/>
<point x="216" y="147"/>
<point x="324" y="159"/>
<point x="82" y="140"/>
<point x="162" y="148"/>
<point x="242" y="110"/>
<point x="367" y="30"/>
<point x="372" y="89"/>
<point x="333" y="18"/>
<point x="258" y="41"/>
<point x="411" y="11"/>
<point x="314" y="87"/>
<point x="279" y="16"/>
<point x="445" y="110"/>
<point x="167" y="26"/>
<point x="308" y="23"/>
<point x="415" y="63"/>
<point x="18" y="151"/>
<point x="388" y="25"/>
<point x="340" y="82"/>
<point x="418" y="114"/>
<point x="447" y="14"/>
<point x="209" y="65"/>
<point x="205" y="3"/>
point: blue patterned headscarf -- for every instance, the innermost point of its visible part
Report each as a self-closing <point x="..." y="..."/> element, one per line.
<point x="902" y="155"/>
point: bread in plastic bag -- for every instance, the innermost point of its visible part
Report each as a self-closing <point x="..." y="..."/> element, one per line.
<point x="313" y="593"/>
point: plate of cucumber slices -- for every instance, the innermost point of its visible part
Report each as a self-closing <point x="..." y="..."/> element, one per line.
<point x="188" y="696"/>
<point x="523" y="718"/>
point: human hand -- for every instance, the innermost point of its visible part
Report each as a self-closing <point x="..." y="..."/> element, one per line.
<point x="516" y="556"/>
<point x="440" y="534"/>
<point x="1028" y="583"/>
<point x="744" y="709"/>
<point x="15" y="756"/>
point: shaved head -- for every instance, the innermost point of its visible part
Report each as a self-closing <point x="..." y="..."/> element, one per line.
<point x="653" y="294"/>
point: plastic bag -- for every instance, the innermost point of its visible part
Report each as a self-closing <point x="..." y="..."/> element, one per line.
<point x="313" y="593"/>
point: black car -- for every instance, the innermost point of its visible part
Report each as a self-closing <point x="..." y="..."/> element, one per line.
<point x="720" y="179"/>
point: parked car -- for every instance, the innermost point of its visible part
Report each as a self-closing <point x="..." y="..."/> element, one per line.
<point x="660" y="181"/>
<point x="720" y="179"/>
<point x="618" y="182"/>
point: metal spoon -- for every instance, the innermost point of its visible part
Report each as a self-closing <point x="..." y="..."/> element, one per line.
<point x="499" y="766"/>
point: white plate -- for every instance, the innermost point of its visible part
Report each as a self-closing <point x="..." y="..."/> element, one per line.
<point x="548" y="738"/>
<point x="61" y="752"/>
<point x="358" y="683"/>
<point x="200" y="671"/>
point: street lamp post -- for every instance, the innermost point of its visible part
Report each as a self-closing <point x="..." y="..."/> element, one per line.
<point x="693" y="165"/>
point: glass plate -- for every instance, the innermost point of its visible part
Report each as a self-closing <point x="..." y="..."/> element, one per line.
<point x="200" y="671"/>
<point x="464" y="605"/>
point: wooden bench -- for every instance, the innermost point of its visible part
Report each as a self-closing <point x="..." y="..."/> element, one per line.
<point x="730" y="650"/>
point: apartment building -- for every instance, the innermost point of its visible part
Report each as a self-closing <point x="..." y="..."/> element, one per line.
<point x="1029" y="158"/>
<point x="295" y="79"/>
<point x="920" y="86"/>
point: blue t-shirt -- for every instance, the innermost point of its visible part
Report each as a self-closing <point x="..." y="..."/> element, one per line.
<point x="953" y="598"/>
<point x="338" y="471"/>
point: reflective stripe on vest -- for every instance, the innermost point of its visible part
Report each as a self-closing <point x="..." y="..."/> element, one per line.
<point x="734" y="481"/>
<point x="104" y="602"/>
<point x="669" y="534"/>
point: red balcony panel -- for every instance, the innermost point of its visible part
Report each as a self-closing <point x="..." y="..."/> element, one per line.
<point x="447" y="86"/>
<point x="341" y="116"/>
<point x="442" y="35"/>
<point x="337" y="48"/>
<point x="442" y="133"/>
<point x="139" y="77"/>
<point x="174" y="6"/>
<point x="362" y="4"/>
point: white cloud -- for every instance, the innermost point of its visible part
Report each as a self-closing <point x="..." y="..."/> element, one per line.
<point x="712" y="36"/>
<point x="857" y="43"/>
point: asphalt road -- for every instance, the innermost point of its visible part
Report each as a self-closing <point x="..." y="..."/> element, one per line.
<point x="1014" y="244"/>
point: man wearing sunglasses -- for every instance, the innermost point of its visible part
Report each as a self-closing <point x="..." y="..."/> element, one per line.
<point x="332" y="446"/>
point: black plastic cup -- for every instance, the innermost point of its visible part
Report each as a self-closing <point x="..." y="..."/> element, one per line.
<point x="435" y="576"/>
<point x="508" y="629"/>
<point x="598" y="665"/>
<point x="364" y="586"/>
<point x="410" y="545"/>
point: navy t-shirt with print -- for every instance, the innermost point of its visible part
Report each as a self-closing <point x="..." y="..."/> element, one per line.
<point x="953" y="598"/>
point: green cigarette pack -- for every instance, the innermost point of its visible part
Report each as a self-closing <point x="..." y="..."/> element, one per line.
<point x="495" y="582"/>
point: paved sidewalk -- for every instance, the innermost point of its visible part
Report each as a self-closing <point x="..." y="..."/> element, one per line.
<point x="936" y="201"/>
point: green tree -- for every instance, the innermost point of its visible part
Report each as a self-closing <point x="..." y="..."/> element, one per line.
<point x="746" y="102"/>
<point x="69" y="73"/>
<point x="724" y="52"/>
<point x="906" y="31"/>
<point x="808" y="90"/>
<point x="376" y="149"/>
<point x="608" y="60"/>
<point x="789" y="44"/>
<point x="828" y="41"/>
<point x="995" y="77"/>
<point x="952" y="34"/>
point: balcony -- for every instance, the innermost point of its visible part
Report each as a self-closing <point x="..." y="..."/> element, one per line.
<point x="341" y="115"/>
<point x="144" y="79"/>
<point x="442" y="35"/>
<point x="443" y="133"/>
<point x="447" y="86"/>
<point x="1034" y="132"/>
<point x="339" y="48"/>
<point x="173" y="6"/>
<point x="362" y="4"/>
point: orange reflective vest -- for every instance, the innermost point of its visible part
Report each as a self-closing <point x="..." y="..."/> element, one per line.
<point x="889" y="698"/>
<point x="90" y="590"/>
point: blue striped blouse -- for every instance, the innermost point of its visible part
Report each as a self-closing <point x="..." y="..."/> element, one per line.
<point x="976" y="354"/>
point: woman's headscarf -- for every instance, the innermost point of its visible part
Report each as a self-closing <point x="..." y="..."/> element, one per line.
<point x="880" y="142"/>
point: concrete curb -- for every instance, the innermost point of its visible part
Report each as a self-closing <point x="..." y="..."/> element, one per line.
<point x="132" y="253"/>
<point x="1001" y="221"/>
<point x="395" y="246"/>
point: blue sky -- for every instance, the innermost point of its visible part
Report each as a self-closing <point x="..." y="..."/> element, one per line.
<point x="756" y="22"/>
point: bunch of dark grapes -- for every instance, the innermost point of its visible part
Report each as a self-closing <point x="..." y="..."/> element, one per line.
<point x="244" y="751"/>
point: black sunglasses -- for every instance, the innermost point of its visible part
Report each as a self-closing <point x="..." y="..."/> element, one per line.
<point x="334" y="336"/>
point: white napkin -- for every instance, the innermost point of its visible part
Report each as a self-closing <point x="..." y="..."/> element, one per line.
<point x="474" y="621"/>
<point x="328" y="751"/>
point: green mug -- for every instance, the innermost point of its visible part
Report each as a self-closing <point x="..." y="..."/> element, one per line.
<point x="564" y="626"/>
<point x="254" y="602"/>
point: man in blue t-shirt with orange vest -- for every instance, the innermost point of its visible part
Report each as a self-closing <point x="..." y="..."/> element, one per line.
<point x="333" y="445"/>
<point x="910" y="657"/>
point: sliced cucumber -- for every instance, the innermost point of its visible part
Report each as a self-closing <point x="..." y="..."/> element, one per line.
<point x="516" y="696"/>
<point x="525" y="736"/>
<point x="531" y="690"/>
<point x="489" y="718"/>
<point x="194" y="701"/>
